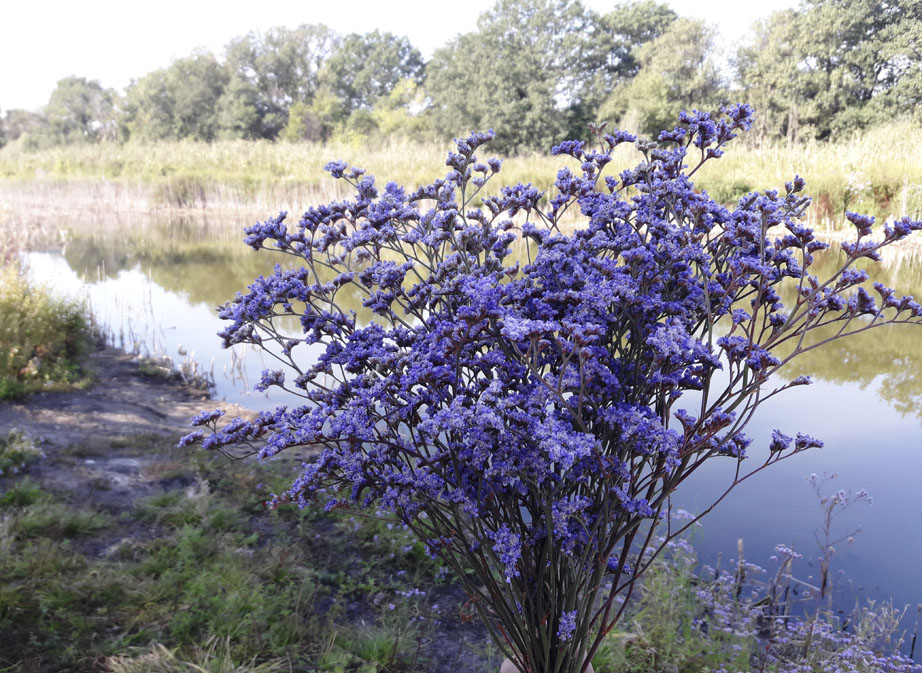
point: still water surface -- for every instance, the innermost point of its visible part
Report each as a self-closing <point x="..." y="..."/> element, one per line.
<point x="158" y="284"/>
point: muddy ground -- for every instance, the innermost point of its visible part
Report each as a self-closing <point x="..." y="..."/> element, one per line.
<point x="95" y="443"/>
<point x="80" y="431"/>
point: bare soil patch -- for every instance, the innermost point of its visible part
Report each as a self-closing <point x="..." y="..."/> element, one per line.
<point x="107" y="449"/>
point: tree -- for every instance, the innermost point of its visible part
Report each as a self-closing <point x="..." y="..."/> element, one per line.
<point x="19" y="123"/>
<point x="399" y="112"/>
<point x="844" y="65"/>
<point x="302" y="124"/>
<point x="365" y="68"/>
<point x="834" y="66"/>
<point x="80" y="110"/>
<point x="676" y="71"/>
<point x="282" y="66"/>
<point x="326" y="113"/>
<point x="767" y="69"/>
<point x="149" y="108"/>
<point x="178" y="102"/>
<point x="625" y="29"/>
<point x="523" y="72"/>
<point x="904" y="53"/>
<point x="196" y="84"/>
<point x="610" y="54"/>
<point x="240" y="113"/>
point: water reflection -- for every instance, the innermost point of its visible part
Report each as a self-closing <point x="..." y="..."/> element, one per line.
<point x="887" y="360"/>
<point x="206" y="270"/>
<point x="162" y="281"/>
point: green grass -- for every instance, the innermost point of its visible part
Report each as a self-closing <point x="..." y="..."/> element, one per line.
<point x="22" y="493"/>
<point x="873" y="172"/>
<point x="53" y="521"/>
<point x="42" y="338"/>
<point x="204" y="576"/>
<point x="16" y="451"/>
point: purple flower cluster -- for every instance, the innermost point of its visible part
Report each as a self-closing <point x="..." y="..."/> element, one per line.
<point x="567" y="625"/>
<point x="757" y="620"/>
<point x="547" y="410"/>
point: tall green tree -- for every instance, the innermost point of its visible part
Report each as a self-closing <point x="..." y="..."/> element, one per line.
<point x="178" y="102"/>
<point x="240" y="110"/>
<point x="677" y="71"/>
<point x="833" y="66"/>
<point x="196" y="84"/>
<point x="365" y="68"/>
<point x="149" y="108"/>
<point x="281" y="68"/>
<point x="904" y="54"/>
<point x="624" y="30"/>
<point x="523" y="72"/>
<point x="612" y="60"/>
<point x="767" y="69"/>
<point x="844" y="47"/>
<point x="80" y="110"/>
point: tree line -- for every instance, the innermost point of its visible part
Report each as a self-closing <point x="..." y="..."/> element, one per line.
<point x="536" y="71"/>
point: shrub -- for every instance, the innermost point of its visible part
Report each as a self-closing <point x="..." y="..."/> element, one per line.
<point x="530" y="423"/>
<point x="42" y="338"/>
<point x="16" y="451"/>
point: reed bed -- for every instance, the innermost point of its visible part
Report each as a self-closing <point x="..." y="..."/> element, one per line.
<point x="877" y="172"/>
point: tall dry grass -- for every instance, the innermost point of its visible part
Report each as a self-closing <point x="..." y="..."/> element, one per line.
<point x="879" y="172"/>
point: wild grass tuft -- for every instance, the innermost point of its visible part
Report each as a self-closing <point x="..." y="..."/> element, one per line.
<point x="42" y="338"/>
<point x="16" y="451"/>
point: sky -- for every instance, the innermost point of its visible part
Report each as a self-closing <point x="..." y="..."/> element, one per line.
<point x="115" y="41"/>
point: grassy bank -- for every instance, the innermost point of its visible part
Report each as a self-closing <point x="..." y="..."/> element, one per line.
<point x="875" y="172"/>
<point x="199" y="573"/>
<point x="43" y="339"/>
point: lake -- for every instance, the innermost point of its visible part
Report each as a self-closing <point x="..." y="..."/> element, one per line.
<point x="155" y="285"/>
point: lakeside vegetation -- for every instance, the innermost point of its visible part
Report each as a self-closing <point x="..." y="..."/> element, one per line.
<point x="197" y="570"/>
<point x="190" y="572"/>
<point x="873" y="172"/>
<point x="43" y="338"/>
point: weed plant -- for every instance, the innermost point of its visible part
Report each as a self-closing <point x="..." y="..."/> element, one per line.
<point x="16" y="451"/>
<point x="42" y="338"/>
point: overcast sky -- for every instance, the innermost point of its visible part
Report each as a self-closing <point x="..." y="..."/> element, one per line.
<point x="116" y="41"/>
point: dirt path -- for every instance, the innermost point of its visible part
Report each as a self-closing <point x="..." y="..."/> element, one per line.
<point x="94" y="439"/>
<point x="123" y="402"/>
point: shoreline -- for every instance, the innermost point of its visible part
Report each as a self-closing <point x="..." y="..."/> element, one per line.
<point x="26" y="204"/>
<point x="117" y="546"/>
